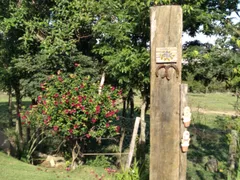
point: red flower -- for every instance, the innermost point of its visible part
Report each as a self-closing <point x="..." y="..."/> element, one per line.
<point x="56" y="103"/>
<point x="76" y="64"/>
<point x="90" y="100"/>
<point x="97" y="109"/>
<point x="44" y="102"/>
<point x="88" y="135"/>
<point x="55" y="128"/>
<point x="60" y="78"/>
<point x="56" y="95"/>
<point x="70" y="131"/>
<point x="75" y="126"/>
<point x="24" y="117"/>
<point x="117" y="129"/>
<point x="45" y="121"/>
<point x="68" y="93"/>
<point x="73" y="111"/>
<point x="80" y="99"/>
<point x="93" y="120"/>
<point x="113" y="88"/>
<point x="39" y="98"/>
<point x="83" y="108"/>
<point x="66" y="111"/>
<point x="120" y="92"/>
<point x="44" y="112"/>
<point x="107" y="125"/>
<point x="22" y="123"/>
<point x="76" y="88"/>
<point x="113" y="102"/>
<point x="109" y="114"/>
<point x="81" y="86"/>
<point x="49" y="118"/>
<point x="78" y="106"/>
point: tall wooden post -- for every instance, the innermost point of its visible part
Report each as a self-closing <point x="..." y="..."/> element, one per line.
<point x="166" y="56"/>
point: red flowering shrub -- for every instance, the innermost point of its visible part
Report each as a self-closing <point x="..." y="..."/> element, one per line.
<point x="71" y="106"/>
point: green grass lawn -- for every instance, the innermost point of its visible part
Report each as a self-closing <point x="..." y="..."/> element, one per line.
<point x="205" y="141"/>
<point x="212" y="101"/>
<point x="13" y="169"/>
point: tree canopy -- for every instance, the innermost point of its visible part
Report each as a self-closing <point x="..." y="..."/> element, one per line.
<point x="39" y="37"/>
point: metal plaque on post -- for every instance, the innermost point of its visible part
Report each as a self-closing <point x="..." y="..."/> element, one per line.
<point x="166" y="55"/>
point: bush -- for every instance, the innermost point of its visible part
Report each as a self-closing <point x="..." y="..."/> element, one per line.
<point x="71" y="106"/>
<point x="100" y="161"/>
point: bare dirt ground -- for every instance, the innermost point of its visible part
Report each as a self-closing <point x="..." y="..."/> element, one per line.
<point x="204" y="111"/>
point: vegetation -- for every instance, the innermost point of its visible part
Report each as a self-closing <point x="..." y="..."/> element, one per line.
<point x="42" y="39"/>
<point x="13" y="169"/>
<point x="71" y="106"/>
<point x="220" y="102"/>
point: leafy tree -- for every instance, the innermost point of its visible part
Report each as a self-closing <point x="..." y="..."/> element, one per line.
<point x="34" y="44"/>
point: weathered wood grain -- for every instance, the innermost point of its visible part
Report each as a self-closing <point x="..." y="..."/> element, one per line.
<point x="166" y="31"/>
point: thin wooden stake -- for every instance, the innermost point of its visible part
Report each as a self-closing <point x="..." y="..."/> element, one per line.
<point x="132" y="144"/>
<point x="101" y="83"/>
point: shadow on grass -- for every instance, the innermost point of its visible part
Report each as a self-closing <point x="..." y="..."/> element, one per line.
<point x="206" y="142"/>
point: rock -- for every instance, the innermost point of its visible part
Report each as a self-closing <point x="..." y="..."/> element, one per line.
<point x="5" y="144"/>
<point x="60" y="165"/>
<point x="54" y="161"/>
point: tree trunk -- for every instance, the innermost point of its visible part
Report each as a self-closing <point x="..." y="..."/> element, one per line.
<point x="124" y="107"/>
<point x="28" y="134"/>
<point x="18" y="104"/>
<point x="76" y="152"/>
<point x="130" y="102"/>
<point x="10" y="107"/>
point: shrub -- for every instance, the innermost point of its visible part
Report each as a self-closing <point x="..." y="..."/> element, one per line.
<point x="100" y="161"/>
<point x="71" y="107"/>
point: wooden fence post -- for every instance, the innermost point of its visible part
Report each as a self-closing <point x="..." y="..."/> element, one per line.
<point x="133" y="141"/>
<point x="183" y="156"/>
<point x="166" y="57"/>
